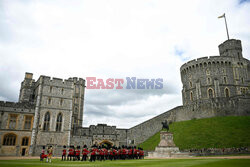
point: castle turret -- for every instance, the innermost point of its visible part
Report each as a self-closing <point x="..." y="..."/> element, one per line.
<point x="26" y="91"/>
<point x="231" y="48"/>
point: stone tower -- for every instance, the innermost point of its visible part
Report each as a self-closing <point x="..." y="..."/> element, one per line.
<point x="231" y="48"/>
<point x="58" y="105"/>
<point x="77" y="103"/>
<point x="27" y="89"/>
<point x="221" y="76"/>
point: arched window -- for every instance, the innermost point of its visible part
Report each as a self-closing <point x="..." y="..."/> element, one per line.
<point x="49" y="100"/>
<point x="225" y="80"/>
<point x="227" y="92"/>
<point x="46" y="122"/>
<point x="191" y="96"/>
<point x="208" y="80"/>
<point x="25" y="141"/>
<point x="190" y="84"/>
<point x="210" y="93"/>
<point x="59" y="122"/>
<point x="9" y="140"/>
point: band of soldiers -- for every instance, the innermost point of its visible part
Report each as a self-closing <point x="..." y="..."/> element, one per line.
<point x="100" y="153"/>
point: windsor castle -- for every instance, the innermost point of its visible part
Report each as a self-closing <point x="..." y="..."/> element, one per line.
<point x="50" y="110"/>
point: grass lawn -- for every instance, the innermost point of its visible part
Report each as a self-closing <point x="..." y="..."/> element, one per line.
<point x="140" y="163"/>
<point x="216" y="132"/>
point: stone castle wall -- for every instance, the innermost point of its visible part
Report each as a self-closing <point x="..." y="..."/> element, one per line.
<point x="235" y="106"/>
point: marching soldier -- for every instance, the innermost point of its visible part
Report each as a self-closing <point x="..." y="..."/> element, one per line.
<point x="85" y="153"/>
<point x="50" y="153"/>
<point x="43" y="155"/>
<point x="77" y="153"/>
<point x="64" y="152"/>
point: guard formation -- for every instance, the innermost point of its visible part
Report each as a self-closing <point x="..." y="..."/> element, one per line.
<point x="100" y="153"/>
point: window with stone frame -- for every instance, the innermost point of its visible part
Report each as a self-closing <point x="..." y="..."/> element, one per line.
<point x="190" y="84"/>
<point x="59" y="122"/>
<point x="9" y="140"/>
<point x="191" y="96"/>
<point x="61" y="102"/>
<point x="12" y="121"/>
<point x="50" y="89"/>
<point x="208" y="80"/>
<point x="49" y="100"/>
<point x="208" y="72"/>
<point x="225" y="80"/>
<point x="27" y="123"/>
<point x="25" y="141"/>
<point x="62" y="91"/>
<point x="210" y="93"/>
<point x="46" y="122"/>
<point x="227" y="92"/>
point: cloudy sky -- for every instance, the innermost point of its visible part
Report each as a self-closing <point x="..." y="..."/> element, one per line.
<point x="114" y="39"/>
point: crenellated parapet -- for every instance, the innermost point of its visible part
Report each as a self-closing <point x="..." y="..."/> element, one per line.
<point x="24" y="105"/>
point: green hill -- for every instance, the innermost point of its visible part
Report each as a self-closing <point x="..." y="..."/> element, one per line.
<point x="216" y="132"/>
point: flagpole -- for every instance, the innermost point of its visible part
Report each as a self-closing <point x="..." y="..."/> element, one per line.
<point x="226" y="26"/>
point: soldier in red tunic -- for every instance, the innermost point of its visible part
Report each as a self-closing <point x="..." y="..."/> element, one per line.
<point x="115" y="153"/>
<point x="77" y="153"/>
<point x="135" y="151"/>
<point x="64" y="152"/>
<point x="130" y="153"/>
<point x="70" y="153"/>
<point x="93" y="153"/>
<point x="85" y="153"/>
<point x="43" y="155"/>
<point x="141" y="153"/>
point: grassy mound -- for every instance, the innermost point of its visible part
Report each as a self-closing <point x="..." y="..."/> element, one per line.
<point x="216" y="132"/>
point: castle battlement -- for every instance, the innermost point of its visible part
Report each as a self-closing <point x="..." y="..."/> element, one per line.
<point x="24" y="105"/>
<point x="61" y="82"/>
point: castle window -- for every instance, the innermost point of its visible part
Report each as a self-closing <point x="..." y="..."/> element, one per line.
<point x="49" y="100"/>
<point x="50" y="89"/>
<point x="225" y="80"/>
<point x="9" y="140"/>
<point x="227" y="92"/>
<point x="25" y="141"/>
<point x="208" y="80"/>
<point x="12" y="121"/>
<point x="46" y="122"/>
<point x="191" y="96"/>
<point x="77" y="89"/>
<point x="242" y="80"/>
<point x="210" y="93"/>
<point x="61" y="102"/>
<point x="190" y="84"/>
<point x="208" y="72"/>
<point x="27" y="123"/>
<point x="59" y="122"/>
<point x="62" y="91"/>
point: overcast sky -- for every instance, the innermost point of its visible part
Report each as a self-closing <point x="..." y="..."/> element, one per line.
<point x="114" y="39"/>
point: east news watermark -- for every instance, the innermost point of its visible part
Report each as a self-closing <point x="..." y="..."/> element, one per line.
<point x="127" y="83"/>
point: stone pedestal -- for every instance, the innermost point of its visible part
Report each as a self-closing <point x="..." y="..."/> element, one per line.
<point x="166" y="147"/>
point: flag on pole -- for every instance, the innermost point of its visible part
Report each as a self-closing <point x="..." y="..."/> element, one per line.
<point x="221" y="16"/>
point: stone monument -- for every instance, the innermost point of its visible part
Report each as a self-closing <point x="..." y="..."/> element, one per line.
<point x="167" y="148"/>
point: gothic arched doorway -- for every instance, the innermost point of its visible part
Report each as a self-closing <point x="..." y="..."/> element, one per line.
<point x="106" y="143"/>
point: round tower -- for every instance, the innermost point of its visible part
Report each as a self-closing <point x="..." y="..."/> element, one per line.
<point x="221" y="76"/>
